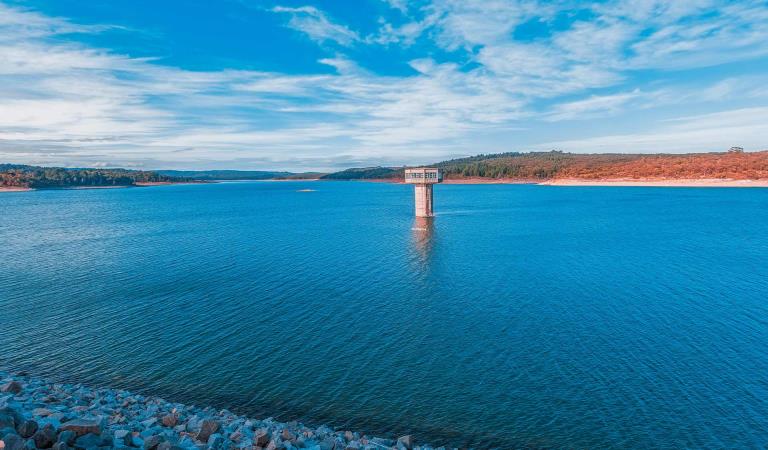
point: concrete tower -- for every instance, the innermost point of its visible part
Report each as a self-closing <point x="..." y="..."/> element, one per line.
<point x="423" y="179"/>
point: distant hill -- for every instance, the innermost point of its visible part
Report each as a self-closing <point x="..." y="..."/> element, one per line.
<point x="539" y="166"/>
<point x="533" y="166"/>
<point x="366" y="173"/>
<point x="226" y="174"/>
<point x="15" y="175"/>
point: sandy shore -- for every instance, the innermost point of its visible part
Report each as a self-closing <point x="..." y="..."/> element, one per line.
<point x="468" y="180"/>
<point x="479" y="180"/>
<point x="704" y="182"/>
<point x="168" y="183"/>
<point x="14" y="189"/>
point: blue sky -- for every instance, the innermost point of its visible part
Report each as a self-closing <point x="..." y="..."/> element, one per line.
<point x="321" y="85"/>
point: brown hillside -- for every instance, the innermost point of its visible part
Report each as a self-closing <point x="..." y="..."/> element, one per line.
<point x="737" y="166"/>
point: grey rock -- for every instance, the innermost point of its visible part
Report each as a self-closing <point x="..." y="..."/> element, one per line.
<point x="45" y="437"/>
<point x="207" y="428"/>
<point x="136" y="441"/>
<point x="106" y="440"/>
<point x="121" y="434"/>
<point x="60" y="446"/>
<point x="153" y="442"/>
<point x="88" y="441"/>
<point x="29" y="445"/>
<point x="12" y="387"/>
<point x="6" y="431"/>
<point x="13" y="442"/>
<point x="7" y="421"/>
<point x="27" y="429"/>
<point x="287" y="435"/>
<point x="262" y="438"/>
<point x="82" y="427"/>
<point x="215" y="441"/>
<point x="41" y="412"/>
<point x="381" y="442"/>
<point x="406" y="441"/>
<point x="327" y="444"/>
<point x="170" y="420"/>
<point x="67" y="437"/>
<point x="10" y="417"/>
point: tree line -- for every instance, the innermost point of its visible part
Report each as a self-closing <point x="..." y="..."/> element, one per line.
<point x="15" y="175"/>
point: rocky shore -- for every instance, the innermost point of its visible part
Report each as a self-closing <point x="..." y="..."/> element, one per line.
<point x="36" y="414"/>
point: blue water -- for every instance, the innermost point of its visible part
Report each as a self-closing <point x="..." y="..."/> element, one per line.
<point x="521" y="316"/>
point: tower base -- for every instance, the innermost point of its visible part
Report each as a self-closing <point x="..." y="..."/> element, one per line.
<point x="423" y="197"/>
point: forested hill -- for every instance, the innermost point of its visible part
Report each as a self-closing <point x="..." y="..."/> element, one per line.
<point x="14" y="175"/>
<point x="226" y="174"/>
<point x="551" y="165"/>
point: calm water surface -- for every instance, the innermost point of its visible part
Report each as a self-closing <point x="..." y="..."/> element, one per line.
<point x="522" y="316"/>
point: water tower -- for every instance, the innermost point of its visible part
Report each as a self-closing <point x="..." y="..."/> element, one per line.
<point x="423" y="179"/>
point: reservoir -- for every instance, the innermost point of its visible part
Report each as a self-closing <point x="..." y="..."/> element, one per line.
<point x="520" y="315"/>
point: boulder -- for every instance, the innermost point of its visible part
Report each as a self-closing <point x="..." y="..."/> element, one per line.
<point x="262" y="438"/>
<point x="327" y="444"/>
<point x="207" y="428"/>
<point x="170" y="421"/>
<point x="81" y="427"/>
<point x="45" y="437"/>
<point x="60" y="446"/>
<point x="215" y="441"/>
<point x="27" y="429"/>
<point x="13" y="442"/>
<point x="349" y="436"/>
<point x="153" y="442"/>
<point x="29" y="445"/>
<point x="12" y="387"/>
<point x="121" y="434"/>
<point x="10" y="417"/>
<point x="287" y="435"/>
<point x="406" y="441"/>
<point x="88" y="441"/>
<point x="67" y="437"/>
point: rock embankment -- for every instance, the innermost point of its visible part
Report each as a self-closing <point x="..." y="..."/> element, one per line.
<point x="35" y="414"/>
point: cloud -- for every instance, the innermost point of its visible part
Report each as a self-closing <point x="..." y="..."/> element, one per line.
<point x="474" y="86"/>
<point x="317" y="25"/>
<point x="708" y="132"/>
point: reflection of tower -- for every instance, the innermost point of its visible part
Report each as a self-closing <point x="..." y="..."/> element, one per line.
<point x="423" y="237"/>
<point x="423" y="179"/>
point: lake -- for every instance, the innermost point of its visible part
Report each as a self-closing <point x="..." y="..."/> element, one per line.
<point x="522" y="315"/>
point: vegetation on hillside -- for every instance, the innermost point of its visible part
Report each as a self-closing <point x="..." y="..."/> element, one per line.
<point x="222" y="175"/>
<point x="14" y="175"/>
<point x="365" y="173"/>
<point x="548" y="165"/>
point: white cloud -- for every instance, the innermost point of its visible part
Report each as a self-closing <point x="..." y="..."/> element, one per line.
<point x="703" y="133"/>
<point x="67" y="103"/>
<point x="317" y="25"/>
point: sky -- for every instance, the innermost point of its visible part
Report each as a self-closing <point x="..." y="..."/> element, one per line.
<point x="328" y="84"/>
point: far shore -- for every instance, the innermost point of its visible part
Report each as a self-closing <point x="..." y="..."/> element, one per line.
<point x="699" y="182"/>
<point x="138" y="184"/>
<point x="618" y="182"/>
<point x="467" y="180"/>
<point x="14" y="189"/>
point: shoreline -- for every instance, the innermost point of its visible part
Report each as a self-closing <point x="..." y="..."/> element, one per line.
<point x="15" y="189"/>
<point x="63" y="416"/>
<point x="701" y="182"/>
<point x="127" y="186"/>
